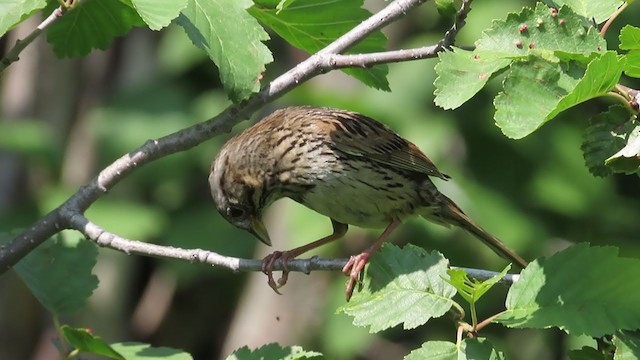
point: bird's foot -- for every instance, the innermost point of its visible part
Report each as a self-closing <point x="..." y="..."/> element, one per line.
<point x="353" y="269"/>
<point x="267" y="269"/>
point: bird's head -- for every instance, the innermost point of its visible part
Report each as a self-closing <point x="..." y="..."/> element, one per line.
<point x="237" y="193"/>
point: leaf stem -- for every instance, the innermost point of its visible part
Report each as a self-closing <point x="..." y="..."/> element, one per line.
<point x="474" y="316"/>
<point x="64" y="346"/>
<point x="612" y="18"/>
<point x="487" y="321"/>
<point x="461" y="329"/>
<point x="459" y="309"/>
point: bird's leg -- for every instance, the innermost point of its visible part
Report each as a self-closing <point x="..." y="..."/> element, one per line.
<point x="356" y="263"/>
<point x="339" y="229"/>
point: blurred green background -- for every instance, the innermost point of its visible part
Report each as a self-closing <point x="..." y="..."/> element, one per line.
<point x="61" y="121"/>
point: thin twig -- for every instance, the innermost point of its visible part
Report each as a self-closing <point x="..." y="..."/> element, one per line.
<point x="13" y="55"/>
<point x="461" y="17"/>
<point x="69" y="215"/>
<point x="339" y="61"/>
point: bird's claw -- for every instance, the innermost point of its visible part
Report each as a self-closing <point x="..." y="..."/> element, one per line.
<point x="267" y="269"/>
<point x="353" y="268"/>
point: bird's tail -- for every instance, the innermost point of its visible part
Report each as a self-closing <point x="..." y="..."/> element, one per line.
<point x="451" y="213"/>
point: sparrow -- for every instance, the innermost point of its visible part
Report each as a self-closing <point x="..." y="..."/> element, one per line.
<point x="341" y="164"/>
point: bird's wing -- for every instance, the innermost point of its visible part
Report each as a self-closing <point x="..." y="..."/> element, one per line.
<point x="358" y="135"/>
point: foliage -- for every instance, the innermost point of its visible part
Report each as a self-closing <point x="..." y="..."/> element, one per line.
<point x="47" y="270"/>
<point x="274" y="351"/>
<point x="469" y="349"/>
<point x="59" y="274"/>
<point x="544" y="296"/>
<point x="543" y="61"/>
<point x="411" y="277"/>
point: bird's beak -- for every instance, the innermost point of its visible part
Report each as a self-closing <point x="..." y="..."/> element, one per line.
<point x="258" y="229"/>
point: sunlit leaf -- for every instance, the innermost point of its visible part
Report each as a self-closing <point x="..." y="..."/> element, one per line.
<point x="538" y="31"/>
<point x="85" y="342"/>
<point x="12" y="11"/>
<point x="627" y="345"/>
<point x="233" y="40"/>
<point x="471" y="68"/>
<point x="477" y="348"/>
<point x="158" y="13"/>
<point x="537" y="90"/>
<point x="560" y="291"/>
<point x="274" y="351"/>
<point x="140" y="351"/>
<point x="401" y="286"/>
<point x="600" y="10"/>
<point x="629" y="38"/>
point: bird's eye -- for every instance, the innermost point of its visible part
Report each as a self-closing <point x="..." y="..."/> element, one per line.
<point x="236" y="212"/>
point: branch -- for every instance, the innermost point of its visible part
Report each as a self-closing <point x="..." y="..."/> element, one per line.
<point x="116" y="242"/>
<point x="629" y="95"/>
<point x="339" y="61"/>
<point x="69" y="215"/>
<point x="14" y="54"/>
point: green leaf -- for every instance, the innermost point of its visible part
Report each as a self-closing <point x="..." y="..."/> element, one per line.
<point x="627" y="345"/>
<point x="629" y="38"/>
<point x="311" y="25"/>
<point x="477" y="348"/>
<point x="600" y="10"/>
<point x="446" y="8"/>
<point x="607" y="134"/>
<point x="536" y="91"/>
<point x="538" y="31"/>
<point x="602" y="75"/>
<point x="232" y="39"/>
<point x="86" y="342"/>
<point x="274" y="351"/>
<point x="632" y="64"/>
<point x="473" y="69"/>
<point x="586" y="353"/>
<point x="532" y="89"/>
<point x="582" y="290"/>
<point x="472" y="290"/>
<point x="158" y="14"/>
<point x="627" y="160"/>
<point x="58" y="273"/>
<point x="283" y="4"/>
<point x="91" y="25"/>
<point x="140" y="351"/>
<point x="13" y="11"/>
<point x="401" y="286"/>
